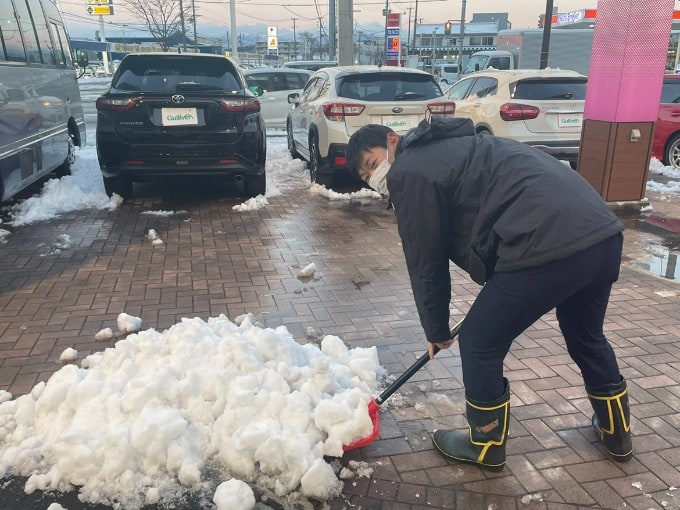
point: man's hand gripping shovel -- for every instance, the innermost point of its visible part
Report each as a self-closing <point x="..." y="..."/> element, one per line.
<point x="374" y="405"/>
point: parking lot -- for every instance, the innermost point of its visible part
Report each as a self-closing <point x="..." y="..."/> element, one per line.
<point x="214" y="260"/>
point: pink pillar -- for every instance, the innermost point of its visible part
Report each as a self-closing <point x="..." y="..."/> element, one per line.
<point x="630" y="46"/>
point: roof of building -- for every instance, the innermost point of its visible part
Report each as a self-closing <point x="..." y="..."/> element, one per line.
<point x="469" y="28"/>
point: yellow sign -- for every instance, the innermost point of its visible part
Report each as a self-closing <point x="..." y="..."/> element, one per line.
<point x="101" y="10"/>
<point x="272" y="43"/>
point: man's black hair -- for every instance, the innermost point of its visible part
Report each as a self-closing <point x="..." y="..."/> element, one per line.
<point x="368" y="137"/>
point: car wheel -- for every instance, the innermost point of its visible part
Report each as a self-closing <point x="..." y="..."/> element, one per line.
<point x="291" y="142"/>
<point x="120" y="185"/>
<point x="315" y="164"/>
<point x="65" y="168"/>
<point x="256" y="185"/>
<point x="672" y="156"/>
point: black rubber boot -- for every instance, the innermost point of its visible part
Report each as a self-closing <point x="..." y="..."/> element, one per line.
<point x="484" y="444"/>
<point x="611" y="420"/>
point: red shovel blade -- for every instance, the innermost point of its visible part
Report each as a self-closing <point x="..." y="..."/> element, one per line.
<point x="374" y="405"/>
<point x="373" y="410"/>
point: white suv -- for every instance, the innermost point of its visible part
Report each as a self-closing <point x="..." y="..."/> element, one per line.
<point x="337" y="101"/>
<point x="542" y="108"/>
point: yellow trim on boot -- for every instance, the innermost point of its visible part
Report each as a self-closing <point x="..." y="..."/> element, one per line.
<point x="488" y="444"/>
<point x="610" y="412"/>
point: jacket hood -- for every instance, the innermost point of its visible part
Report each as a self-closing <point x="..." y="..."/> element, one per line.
<point x="435" y="129"/>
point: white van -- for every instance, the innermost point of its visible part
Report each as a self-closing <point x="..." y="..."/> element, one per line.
<point x="446" y="74"/>
<point x="41" y="116"/>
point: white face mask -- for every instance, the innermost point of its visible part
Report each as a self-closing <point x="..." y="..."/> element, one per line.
<point x="378" y="179"/>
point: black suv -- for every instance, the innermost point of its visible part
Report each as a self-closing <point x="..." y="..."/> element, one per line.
<point x="169" y="114"/>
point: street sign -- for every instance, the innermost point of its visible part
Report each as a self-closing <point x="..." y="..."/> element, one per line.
<point x="271" y="31"/>
<point x="99" y="2"/>
<point x="101" y="10"/>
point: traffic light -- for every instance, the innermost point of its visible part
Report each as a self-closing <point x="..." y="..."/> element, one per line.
<point x="447" y="28"/>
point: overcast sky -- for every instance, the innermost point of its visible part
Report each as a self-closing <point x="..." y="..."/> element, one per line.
<point x="522" y="13"/>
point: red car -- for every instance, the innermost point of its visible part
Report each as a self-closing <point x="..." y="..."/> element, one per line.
<point x="666" y="145"/>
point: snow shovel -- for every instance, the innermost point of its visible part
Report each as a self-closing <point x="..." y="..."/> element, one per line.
<point x="374" y="405"/>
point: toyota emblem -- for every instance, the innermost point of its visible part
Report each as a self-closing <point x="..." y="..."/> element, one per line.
<point x="178" y="98"/>
<point x="397" y="109"/>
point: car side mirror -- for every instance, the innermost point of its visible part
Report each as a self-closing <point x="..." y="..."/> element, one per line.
<point x="293" y="98"/>
<point x="256" y="89"/>
<point x="81" y="58"/>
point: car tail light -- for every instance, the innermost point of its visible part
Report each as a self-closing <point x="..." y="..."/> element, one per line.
<point x="516" y="111"/>
<point x="340" y="161"/>
<point x="228" y="161"/>
<point x="443" y="108"/>
<point x="241" y="105"/>
<point x="134" y="162"/>
<point x="338" y="111"/>
<point x="122" y="104"/>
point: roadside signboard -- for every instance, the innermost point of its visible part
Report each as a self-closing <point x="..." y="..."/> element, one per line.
<point x="393" y="43"/>
<point x="272" y="42"/>
<point x="101" y="10"/>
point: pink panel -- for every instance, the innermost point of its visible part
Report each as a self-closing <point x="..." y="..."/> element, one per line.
<point x="630" y="44"/>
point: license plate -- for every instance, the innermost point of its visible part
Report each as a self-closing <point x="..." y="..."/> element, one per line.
<point x="570" y="120"/>
<point x="179" y="116"/>
<point x="400" y="124"/>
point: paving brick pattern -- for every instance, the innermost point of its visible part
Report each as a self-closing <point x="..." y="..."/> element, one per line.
<point x="215" y="260"/>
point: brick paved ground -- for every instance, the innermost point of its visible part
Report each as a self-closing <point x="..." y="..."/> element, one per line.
<point x="215" y="260"/>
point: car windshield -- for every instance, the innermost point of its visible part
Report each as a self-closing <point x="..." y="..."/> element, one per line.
<point x="475" y="63"/>
<point x="552" y="88"/>
<point x="670" y="93"/>
<point x="386" y="86"/>
<point x="168" y="74"/>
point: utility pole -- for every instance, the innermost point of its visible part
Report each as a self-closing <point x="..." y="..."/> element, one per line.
<point x="193" y="15"/>
<point x="415" y="20"/>
<point x="345" y="32"/>
<point x="331" y="30"/>
<point x="105" y="51"/>
<point x="234" y="37"/>
<point x="294" y="40"/>
<point x="460" y="45"/>
<point x="320" y="52"/>
<point x="408" y="38"/>
<point x="184" y="32"/>
<point x="385" y="13"/>
<point x="545" y="43"/>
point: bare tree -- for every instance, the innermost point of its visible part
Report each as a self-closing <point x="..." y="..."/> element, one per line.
<point x="163" y="18"/>
<point x="308" y="44"/>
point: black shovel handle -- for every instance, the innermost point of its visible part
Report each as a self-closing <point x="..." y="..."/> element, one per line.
<point x="420" y="363"/>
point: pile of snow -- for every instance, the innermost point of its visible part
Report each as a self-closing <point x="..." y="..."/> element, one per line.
<point x="657" y="168"/>
<point x="161" y="413"/>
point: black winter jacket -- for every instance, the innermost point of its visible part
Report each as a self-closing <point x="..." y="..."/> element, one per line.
<point x="489" y="205"/>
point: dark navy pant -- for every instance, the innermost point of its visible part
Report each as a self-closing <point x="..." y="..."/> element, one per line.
<point x="578" y="287"/>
